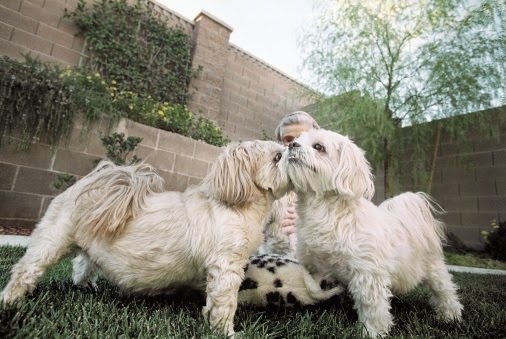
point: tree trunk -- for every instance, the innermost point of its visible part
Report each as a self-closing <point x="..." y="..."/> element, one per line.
<point x="434" y="156"/>
<point x="386" y="168"/>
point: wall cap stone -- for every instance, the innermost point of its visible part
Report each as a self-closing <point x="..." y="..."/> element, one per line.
<point x="213" y="18"/>
<point x="264" y="63"/>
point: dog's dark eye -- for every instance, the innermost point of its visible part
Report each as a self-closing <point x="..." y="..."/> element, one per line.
<point x="278" y="157"/>
<point x="319" y="147"/>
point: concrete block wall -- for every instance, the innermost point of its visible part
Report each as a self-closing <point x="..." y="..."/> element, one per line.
<point x="470" y="182"/>
<point x="37" y="27"/>
<point x="26" y="176"/>
<point x="255" y="97"/>
<point x="243" y="94"/>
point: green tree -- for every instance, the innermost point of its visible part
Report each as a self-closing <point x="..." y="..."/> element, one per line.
<point x="403" y="63"/>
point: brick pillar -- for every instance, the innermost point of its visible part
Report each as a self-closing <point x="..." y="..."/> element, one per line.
<point x="210" y="51"/>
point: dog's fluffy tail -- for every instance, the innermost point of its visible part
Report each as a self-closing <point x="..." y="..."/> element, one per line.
<point x="109" y="196"/>
<point x="416" y="211"/>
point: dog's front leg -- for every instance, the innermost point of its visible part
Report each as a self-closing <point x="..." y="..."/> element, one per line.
<point x="371" y="294"/>
<point x="223" y="281"/>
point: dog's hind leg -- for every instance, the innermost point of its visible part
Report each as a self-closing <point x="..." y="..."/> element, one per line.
<point x="84" y="272"/>
<point x="49" y="242"/>
<point x="444" y="292"/>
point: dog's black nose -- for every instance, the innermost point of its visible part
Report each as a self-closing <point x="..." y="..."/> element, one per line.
<point x="293" y="145"/>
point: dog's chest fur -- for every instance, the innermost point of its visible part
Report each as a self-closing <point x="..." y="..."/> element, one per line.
<point x="325" y="237"/>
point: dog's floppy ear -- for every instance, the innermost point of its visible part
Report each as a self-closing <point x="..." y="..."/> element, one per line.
<point x="353" y="178"/>
<point x="231" y="178"/>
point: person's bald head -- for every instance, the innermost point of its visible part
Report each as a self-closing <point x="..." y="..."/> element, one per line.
<point x="293" y="124"/>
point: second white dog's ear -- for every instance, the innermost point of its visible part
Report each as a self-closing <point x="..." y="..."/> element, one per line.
<point x="230" y="180"/>
<point x="353" y="178"/>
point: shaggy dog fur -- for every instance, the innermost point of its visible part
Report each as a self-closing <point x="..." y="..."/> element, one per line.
<point x="374" y="251"/>
<point x="148" y="241"/>
<point x="275" y="280"/>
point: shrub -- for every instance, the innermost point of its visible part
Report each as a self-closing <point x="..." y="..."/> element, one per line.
<point x="118" y="148"/>
<point x="42" y="101"/>
<point x="495" y="240"/>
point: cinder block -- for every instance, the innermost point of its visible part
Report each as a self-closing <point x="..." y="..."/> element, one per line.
<point x="460" y="204"/>
<point x="183" y="164"/>
<point x="474" y="160"/>
<point x="148" y="134"/>
<point x="499" y="157"/>
<point x="19" y="205"/>
<point x="441" y="191"/>
<point x="68" y="26"/>
<point x="206" y="152"/>
<point x="177" y="182"/>
<point x="489" y="173"/>
<point x="478" y="219"/>
<point x="193" y="181"/>
<point x="12" y="4"/>
<point x="45" y="204"/>
<point x="470" y="236"/>
<point x="166" y="175"/>
<point x="162" y="160"/>
<point x="74" y="163"/>
<point x="501" y="186"/>
<point x="5" y="31"/>
<point x="77" y="140"/>
<point x="492" y="204"/>
<point x="39" y="14"/>
<point x="78" y="44"/>
<point x="478" y="188"/>
<point x="491" y="144"/>
<point x="67" y="55"/>
<point x="55" y="6"/>
<point x="36" y="2"/>
<point x="32" y="180"/>
<point x="32" y="41"/>
<point x="17" y="20"/>
<point x="8" y="172"/>
<point x="54" y="35"/>
<point x="452" y="218"/>
<point x="38" y="155"/>
<point x="456" y="175"/>
<point x="176" y="143"/>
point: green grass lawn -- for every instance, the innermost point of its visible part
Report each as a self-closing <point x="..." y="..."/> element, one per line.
<point x="58" y="309"/>
<point x="473" y="260"/>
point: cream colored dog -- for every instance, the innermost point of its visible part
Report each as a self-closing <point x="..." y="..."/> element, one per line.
<point x="148" y="241"/>
<point x="373" y="250"/>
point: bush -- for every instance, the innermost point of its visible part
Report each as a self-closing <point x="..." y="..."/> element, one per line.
<point x="118" y="148"/>
<point x="42" y="101"/>
<point x="495" y="240"/>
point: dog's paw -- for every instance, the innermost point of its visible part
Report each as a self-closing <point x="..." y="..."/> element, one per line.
<point x="451" y="313"/>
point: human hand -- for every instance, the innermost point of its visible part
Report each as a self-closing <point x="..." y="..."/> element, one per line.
<point x="289" y="221"/>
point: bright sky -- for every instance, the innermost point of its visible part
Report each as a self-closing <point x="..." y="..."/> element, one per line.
<point x="268" y="29"/>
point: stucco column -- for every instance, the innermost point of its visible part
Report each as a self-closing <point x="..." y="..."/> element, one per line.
<point x="210" y="52"/>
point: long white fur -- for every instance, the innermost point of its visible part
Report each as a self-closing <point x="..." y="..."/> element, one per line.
<point x="374" y="251"/>
<point x="148" y="241"/>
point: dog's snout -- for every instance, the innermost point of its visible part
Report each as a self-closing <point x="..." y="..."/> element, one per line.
<point x="293" y="145"/>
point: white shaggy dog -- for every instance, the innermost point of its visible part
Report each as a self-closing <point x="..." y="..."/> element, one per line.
<point x="374" y="251"/>
<point x="148" y="241"/>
